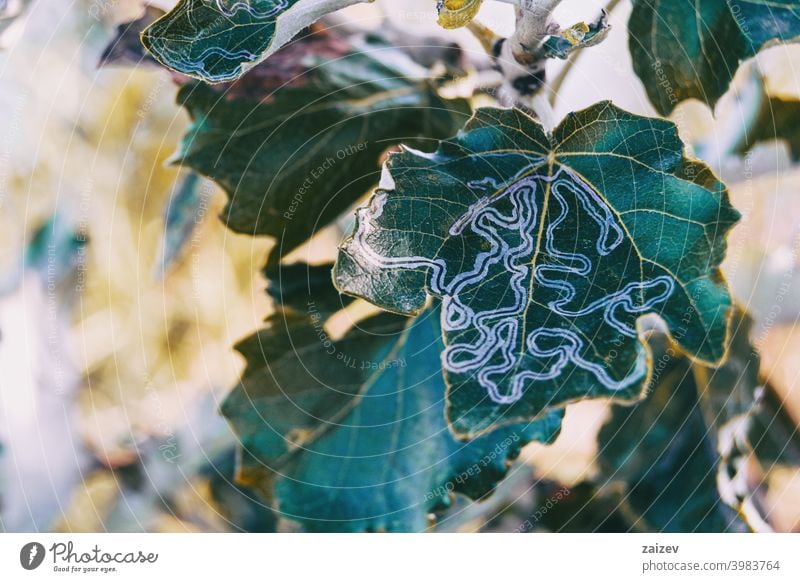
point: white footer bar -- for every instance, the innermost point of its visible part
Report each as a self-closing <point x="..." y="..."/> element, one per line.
<point x="418" y="557"/>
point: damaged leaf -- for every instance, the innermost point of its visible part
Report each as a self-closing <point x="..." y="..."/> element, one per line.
<point x="545" y="249"/>
<point x="219" y="40"/>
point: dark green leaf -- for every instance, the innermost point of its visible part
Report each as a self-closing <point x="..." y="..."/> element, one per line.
<point x="727" y="391"/>
<point x="218" y="40"/>
<point x="691" y="49"/>
<point x="663" y="451"/>
<point x="578" y="509"/>
<point x="770" y="117"/>
<point x="779" y="118"/>
<point x="302" y="287"/>
<point x="241" y="507"/>
<point x="545" y="250"/>
<point x="771" y="433"/>
<point x="295" y="144"/>
<point x="755" y="447"/>
<point x="354" y="431"/>
<point x="766" y="22"/>
<point x="576" y="37"/>
<point x="752" y="431"/>
<point x="746" y="409"/>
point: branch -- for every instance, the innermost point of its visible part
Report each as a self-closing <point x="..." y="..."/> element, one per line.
<point x="522" y="57"/>
<point x="534" y="24"/>
<point x="555" y="86"/>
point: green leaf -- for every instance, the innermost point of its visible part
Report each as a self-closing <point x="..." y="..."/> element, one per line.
<point x="732" y="416"/>
<point x="578" y="509"/>
<point x="545" y="250"/>
<point x="219" y="40"/>
<point x="297" y="142"/>
<point x="353" y="431"/>
<point x="755" y="447"/>
<point x="683" y="50"/>
<point x="771" y="433"/>
<point x="735" y="400"/>
<point x="663" y="450"/>
<point x="241" y="508"/>
<point x="770" y="117"/>
<point x="300" y="287"/>
<point x="779" y="118"/>
<point x="727" y="391"/>
<point x="766" y="22"/>
<point x="757" y="437"/>
<point x="577" y="36"/>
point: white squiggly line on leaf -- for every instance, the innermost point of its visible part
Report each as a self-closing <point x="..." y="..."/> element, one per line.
<point x="498" y="329"/>
<point x="273" y="8"/>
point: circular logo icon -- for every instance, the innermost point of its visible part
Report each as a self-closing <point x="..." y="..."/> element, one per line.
<point x="31" y="555"/>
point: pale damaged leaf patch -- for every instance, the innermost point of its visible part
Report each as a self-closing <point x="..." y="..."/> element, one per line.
<point x="457" y="13"/>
